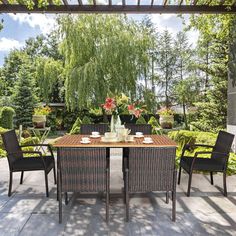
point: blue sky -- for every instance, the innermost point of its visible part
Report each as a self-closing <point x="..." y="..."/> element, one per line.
<point x="19" y="27"/>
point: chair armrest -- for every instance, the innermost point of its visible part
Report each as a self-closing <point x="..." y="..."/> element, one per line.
<point x="29" y="152"/>
<point x="224" y="155"/>
<point x="39" y="145"/>
<point x="202" y="145"/>
<point x="188" y="146"/>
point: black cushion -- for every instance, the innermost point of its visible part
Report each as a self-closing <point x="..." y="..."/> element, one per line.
<point x="33" y="163"/>
<point x="202" y="164"/>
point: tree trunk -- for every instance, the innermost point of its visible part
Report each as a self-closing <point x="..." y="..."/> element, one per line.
<point x="185" y="116"/>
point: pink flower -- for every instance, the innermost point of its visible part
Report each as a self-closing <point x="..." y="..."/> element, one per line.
<point x="137" y="113"/>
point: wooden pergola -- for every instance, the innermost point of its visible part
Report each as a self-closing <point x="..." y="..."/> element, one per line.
<point x="125" y="6"/>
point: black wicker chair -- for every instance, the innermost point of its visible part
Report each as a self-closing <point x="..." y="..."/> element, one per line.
<point x="19" y="163"/>
<point x="83" y="170"/>
<point x="89" y="128"/>
<point x="144" y="128"/>
<point x="216" y="163"/>
<point x="150" y="169"/>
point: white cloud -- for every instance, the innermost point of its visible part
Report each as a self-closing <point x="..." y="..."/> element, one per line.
<point x="174" y="24"/>
<point x="45" y="22"/>
<point x="6" y="44"/>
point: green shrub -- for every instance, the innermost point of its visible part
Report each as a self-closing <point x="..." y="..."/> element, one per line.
<point x="86" y="120"/>
<point x="2" y="153"/>
<point x="141" y="120"/>
<point x="155" y="125"/>
<point x="76" y="126"/>
<point x="6" y="117"/>
<point x="2" y="131"/>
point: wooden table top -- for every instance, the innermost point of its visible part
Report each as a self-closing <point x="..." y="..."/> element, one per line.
<point x="74" y="141"/>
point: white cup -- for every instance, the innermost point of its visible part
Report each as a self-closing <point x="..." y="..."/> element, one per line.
<point x="95" y="133"/>
<point x="148" y="139"/>
<point x="139" y="134"/>
<point x="85" y="139"/>
<point x="110" y="135"/>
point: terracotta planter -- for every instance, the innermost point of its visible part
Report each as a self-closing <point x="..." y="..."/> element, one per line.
<point x="166" y="121"/>
<point x="39" y="121"/>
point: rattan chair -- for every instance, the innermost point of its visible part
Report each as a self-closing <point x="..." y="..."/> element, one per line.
<point x="150" y="169"/>
<point x="83" y="170"/>
<point x="89" y="128"/>
<point x="18" y="163"/>
<point x="216" y="163"/>
<point x="144" y="128"/>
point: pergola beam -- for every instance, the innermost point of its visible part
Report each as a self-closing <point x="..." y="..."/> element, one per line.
<point x="7" y="8"/>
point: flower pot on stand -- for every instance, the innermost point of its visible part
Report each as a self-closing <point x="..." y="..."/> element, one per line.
<point x="166" y="121"/>
<point x="39" y="121"/>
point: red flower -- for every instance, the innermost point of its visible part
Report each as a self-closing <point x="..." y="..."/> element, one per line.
<point x="131" y="107"/>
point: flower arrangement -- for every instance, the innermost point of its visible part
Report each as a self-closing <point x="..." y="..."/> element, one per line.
<point x="119" y="104"/>
<point x="165" y="111"/>
<point x="42" y="110"/>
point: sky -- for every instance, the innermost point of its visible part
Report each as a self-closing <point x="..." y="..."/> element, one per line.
<point x="19" y="27"/>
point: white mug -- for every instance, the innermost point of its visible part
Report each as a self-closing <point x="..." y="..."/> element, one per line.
<point x="138" y="133"/>
<point x="95" y="133"/>
<point x="85" y="139"/>
<point x="147" y="139"/>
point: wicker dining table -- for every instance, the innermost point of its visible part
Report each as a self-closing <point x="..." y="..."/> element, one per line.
<point x="69" y="146"/>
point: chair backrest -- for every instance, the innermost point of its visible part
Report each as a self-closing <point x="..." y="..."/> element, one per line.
<point x="151" y="169"/>
<point x="11" y="145"/>
<point x="84" y="169"/>
<point x="89" y="128"/>
<point x="223" y="143"/>
<point x="144" y="128"/>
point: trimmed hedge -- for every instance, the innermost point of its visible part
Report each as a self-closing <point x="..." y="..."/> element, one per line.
<point x="6" y="117"/>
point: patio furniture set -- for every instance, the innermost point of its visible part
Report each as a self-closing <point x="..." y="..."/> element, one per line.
<point x="84" y="167"/>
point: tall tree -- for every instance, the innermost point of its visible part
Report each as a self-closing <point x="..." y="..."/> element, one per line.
<point x="166" y="65"/>
<point x="214" y="31"/>
<point x="23" y="98"/>
<point x="102" y="54"/>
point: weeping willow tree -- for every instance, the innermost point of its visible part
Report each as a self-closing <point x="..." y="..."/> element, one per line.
<point x="103" y="54"/>
<point x="49" y="76"/>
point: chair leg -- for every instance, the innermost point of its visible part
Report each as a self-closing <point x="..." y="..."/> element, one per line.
<point x="224" y="183"/>
<point x="189" y="183"/>
<point x="21" y="177"/>
<point x="212" y="181"/>
<point x="66" y="198"/>
<point x="59" y="195"/>
<point x="54" y="173"/>
<point x="179" y="177"/>
<point x="127" y="195"/>
<point x="107" y="194"/>
<point x="46" y="184"/>
<point x="10" y="184"/>
<point x="174" y="205"/>
<point x="167" y="197"/>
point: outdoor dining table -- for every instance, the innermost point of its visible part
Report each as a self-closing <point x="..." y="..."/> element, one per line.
<point x="69" y="145"/>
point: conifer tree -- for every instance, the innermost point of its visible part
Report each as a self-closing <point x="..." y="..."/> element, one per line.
<point x="23" y="98"/>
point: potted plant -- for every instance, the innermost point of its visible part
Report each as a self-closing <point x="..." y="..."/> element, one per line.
<point x="166" y="118"/>
<point x="40" y="116"/>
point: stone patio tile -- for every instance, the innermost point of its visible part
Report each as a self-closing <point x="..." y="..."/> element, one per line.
<point x="12" y="223"/>
<point x="43" y="225"/>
